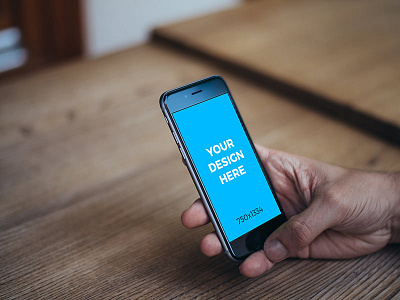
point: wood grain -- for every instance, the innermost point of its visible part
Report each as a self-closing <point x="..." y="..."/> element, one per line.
<point x="342" y="57"/>
<point x="92" y="188"/>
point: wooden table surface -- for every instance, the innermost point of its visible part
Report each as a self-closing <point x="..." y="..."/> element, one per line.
<point x="92" y="187"/>
<point x="341" y="56"/>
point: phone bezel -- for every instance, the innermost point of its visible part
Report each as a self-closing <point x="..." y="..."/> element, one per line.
<point x="212" y="87"/>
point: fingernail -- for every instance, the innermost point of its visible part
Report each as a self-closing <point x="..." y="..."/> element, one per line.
<point x="275" y="251"/>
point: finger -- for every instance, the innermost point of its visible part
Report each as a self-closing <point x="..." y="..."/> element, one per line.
<point x="210" y="245"/>
<point x="255" y="265"/>
<point x="263" y="152"/>
<point x="195" y="215"/>
<point x="297" y="233"/>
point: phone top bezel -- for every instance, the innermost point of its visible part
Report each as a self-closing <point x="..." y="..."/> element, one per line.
<point x="219" y="87"/>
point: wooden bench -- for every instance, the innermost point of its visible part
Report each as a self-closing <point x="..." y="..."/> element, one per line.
<point x="341" y="57"/>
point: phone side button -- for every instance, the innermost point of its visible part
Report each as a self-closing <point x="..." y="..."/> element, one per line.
<point x="183" y="154"/>
<point x="166" y="120"/>
<point x="175" y="137"/>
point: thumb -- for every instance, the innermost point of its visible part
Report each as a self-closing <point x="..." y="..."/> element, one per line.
<point x="298" y="232"/>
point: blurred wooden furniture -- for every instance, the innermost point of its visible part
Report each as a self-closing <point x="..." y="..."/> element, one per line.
<point x="92" y="187"/>
<point x="51" y="30"/>
<point x="342" y="57"/>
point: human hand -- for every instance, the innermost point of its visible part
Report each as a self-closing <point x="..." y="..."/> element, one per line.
<point x="333" y="212"/>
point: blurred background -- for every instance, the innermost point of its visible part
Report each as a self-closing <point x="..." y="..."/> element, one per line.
<point x="35" y="33"/>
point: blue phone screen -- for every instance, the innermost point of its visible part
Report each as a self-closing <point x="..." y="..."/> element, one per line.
<point x="227" y="165"/>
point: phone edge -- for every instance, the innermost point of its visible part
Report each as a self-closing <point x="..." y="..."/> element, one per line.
<point x="215" y="223"/>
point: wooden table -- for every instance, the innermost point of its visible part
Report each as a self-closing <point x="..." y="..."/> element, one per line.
<point x="92" y="187"/>
<point x="342" y="57"/>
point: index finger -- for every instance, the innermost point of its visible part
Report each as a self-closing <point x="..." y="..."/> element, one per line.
<point x="195" y="215"/>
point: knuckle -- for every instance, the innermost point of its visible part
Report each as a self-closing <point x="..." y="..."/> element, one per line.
<point x="335" y="201"/>
<point x="301" y="233"/>
<point x="332" y="198"/>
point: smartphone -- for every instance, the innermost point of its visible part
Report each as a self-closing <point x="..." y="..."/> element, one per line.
<point x="224" y="165"/>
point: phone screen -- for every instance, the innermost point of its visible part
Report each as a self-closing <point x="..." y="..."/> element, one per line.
<point x="227" y="165"/>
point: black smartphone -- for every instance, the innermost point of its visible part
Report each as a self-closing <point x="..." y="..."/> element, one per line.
<point x="224" y="165"/>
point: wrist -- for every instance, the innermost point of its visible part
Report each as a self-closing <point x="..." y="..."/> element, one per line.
<point x="394" y="187"/>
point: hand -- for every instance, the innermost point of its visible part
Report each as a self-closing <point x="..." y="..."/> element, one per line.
<point x="333" y="212"/>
